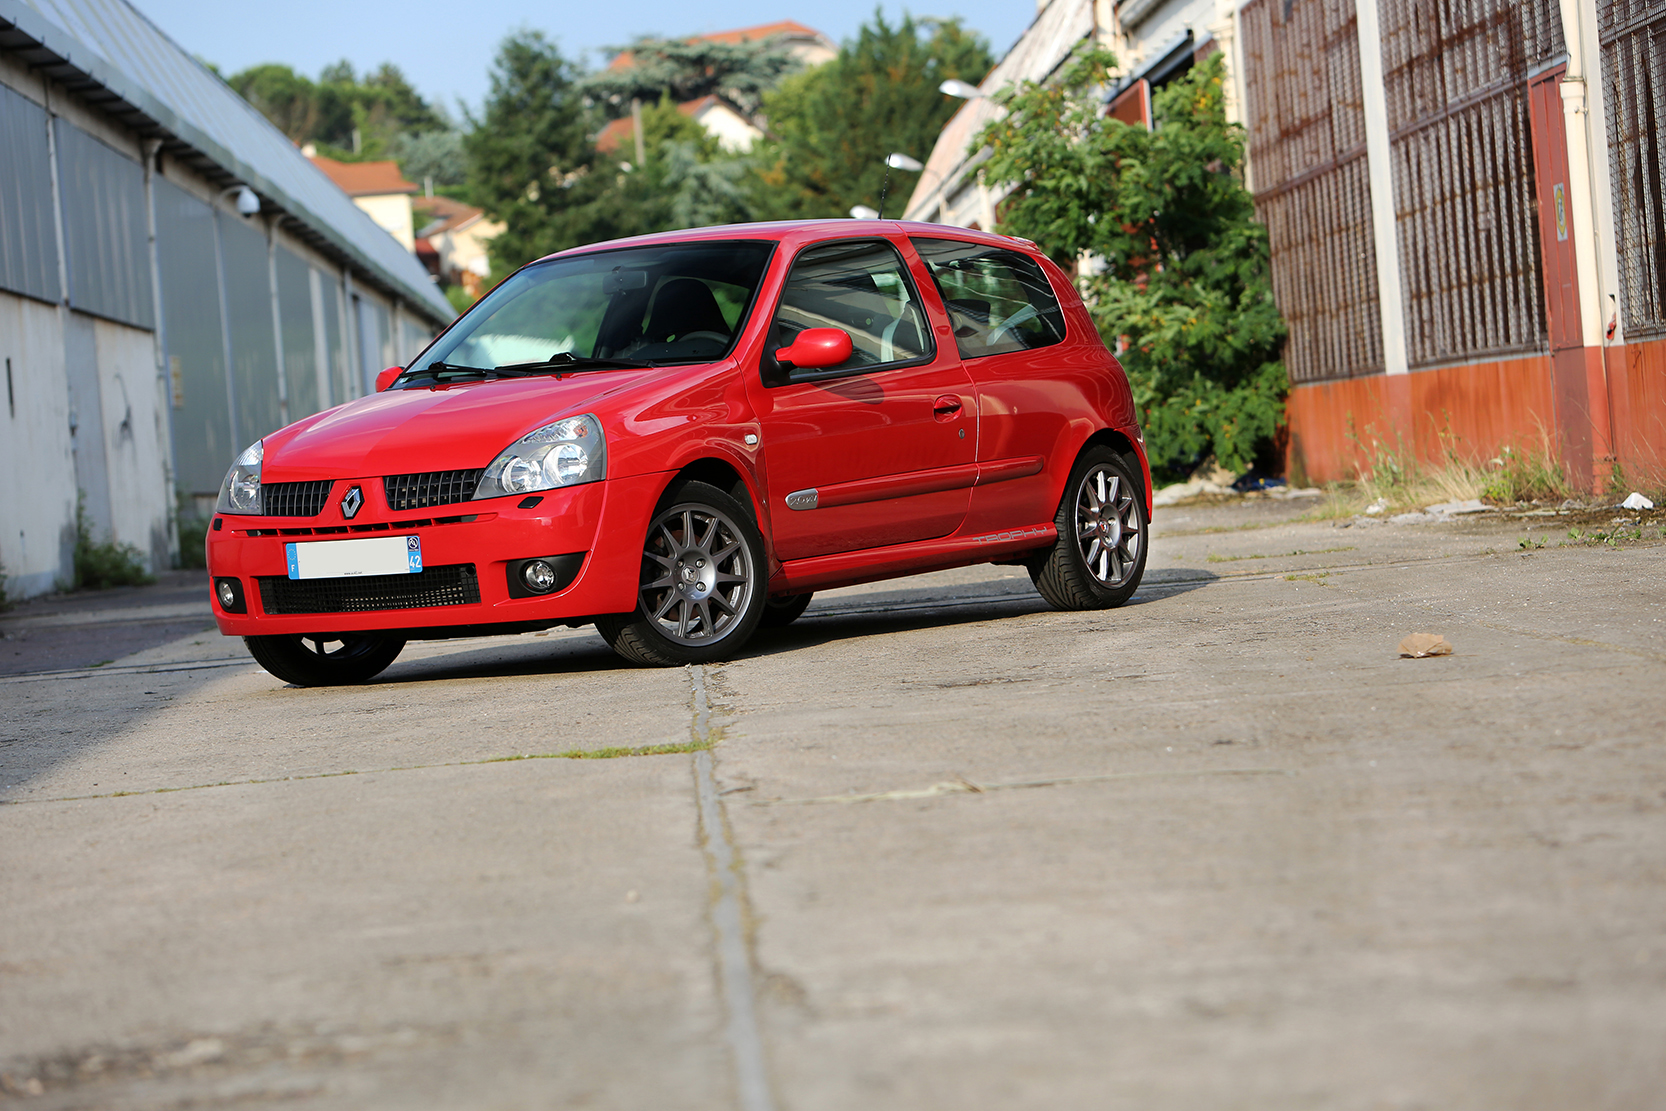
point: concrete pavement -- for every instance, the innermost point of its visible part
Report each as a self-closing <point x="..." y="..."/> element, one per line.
<point x="1220" y="847"/>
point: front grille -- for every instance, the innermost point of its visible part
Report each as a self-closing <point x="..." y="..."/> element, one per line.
<point x="294" y="499"/>
<point x="454" y="585"/>
<point x="419" y="491"/>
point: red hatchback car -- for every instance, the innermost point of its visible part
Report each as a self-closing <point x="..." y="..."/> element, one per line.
<point x="679" y="437"/>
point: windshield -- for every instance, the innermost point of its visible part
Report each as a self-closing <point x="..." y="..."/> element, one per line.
<point x="678" y="303"/>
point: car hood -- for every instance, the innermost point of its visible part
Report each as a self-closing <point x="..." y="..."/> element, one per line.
<point x="457" y="427"/>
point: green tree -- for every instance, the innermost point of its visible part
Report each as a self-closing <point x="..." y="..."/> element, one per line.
<point x="345" y="116"/>
<point x="688" y="69"/>
<point x="1185" y="293"/>
<point x="834" y="125"/>
<point x="533" y="162"/>
<point x="437" y="155"/>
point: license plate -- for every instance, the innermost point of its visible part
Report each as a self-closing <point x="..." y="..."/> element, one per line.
<point x="341" y="559"/>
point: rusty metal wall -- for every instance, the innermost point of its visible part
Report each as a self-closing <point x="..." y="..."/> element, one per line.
<point x="1633" y="34"/>
<point x="1306" y="127"/>
<point x="1455" y="74"/>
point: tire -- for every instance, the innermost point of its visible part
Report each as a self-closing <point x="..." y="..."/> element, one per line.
<point x="783" y="611"/>
<point x="1099" y="558"/>
<point x="310" y="661"/>
<point x="702" y="587"/>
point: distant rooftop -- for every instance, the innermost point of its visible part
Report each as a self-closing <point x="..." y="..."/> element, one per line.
<point x="804" y="40"/>
<point x="365" y="179"/>
<point x="442" y="214"/>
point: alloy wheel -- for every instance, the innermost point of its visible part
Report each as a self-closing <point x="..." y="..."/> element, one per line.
<point x="1109" y="530"/>
<point x="698" y="575"/>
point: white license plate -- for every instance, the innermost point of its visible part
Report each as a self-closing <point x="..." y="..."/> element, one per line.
<point x="340" y="559"/>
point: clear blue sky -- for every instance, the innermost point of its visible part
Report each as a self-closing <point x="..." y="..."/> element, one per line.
<point x="446" y="49"/>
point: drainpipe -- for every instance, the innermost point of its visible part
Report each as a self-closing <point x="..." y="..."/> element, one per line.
<point x="1379" y="156"/>
<point x="277" y="317"/>
<point x="237" y="443"/>
<point x="1587" y="146"/>
<point x="164" y="382"/>
<point x="66" y="571"/>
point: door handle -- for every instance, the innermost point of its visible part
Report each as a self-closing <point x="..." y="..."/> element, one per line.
<point x="946" y="408"/>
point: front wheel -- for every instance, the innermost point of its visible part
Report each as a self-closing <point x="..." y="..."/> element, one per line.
<point x="1099" y="557"/>
<point x="702" y="585"/>
<point x="326" y="659"/>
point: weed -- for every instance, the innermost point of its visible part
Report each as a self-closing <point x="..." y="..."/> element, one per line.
<point x="1318" y="577"/>
<point x="193" y="532"/>
<point x="1213" y="558"/>
<point x="1612" y="537"/>
<point x="1528" y="544"/>
<point x="1518" y="475"/>
<point x="100" y="565"/>
<point x="1397" y="481"/>
<point x="608" y="753"/>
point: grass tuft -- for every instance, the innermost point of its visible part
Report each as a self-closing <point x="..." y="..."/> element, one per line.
<point x="106" y="564"/>
<point x="1396" y="481"/>
<point x="612" y="753"/>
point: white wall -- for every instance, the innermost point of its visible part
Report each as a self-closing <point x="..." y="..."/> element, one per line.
<point x="135" y="440"/>
<point x="37" y="492"/>
<point x="393" y="213"/>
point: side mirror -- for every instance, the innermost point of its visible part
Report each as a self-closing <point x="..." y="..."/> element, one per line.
<point x="815" y="349"/>
<point x="385" y="379"/>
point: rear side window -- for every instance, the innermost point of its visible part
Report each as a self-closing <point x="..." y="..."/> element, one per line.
<point x="997" y="300"/>
<point x="861" y="286"/>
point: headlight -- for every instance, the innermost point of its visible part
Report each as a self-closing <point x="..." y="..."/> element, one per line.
<point x="565" y="453"/>
<point x="240" y="492"/>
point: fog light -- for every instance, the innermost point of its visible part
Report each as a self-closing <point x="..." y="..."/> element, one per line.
<point x="538" y="576"/>
<point x="229" y="593"/>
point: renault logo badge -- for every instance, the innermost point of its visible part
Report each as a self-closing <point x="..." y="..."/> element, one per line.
<point x="351" y="503"/>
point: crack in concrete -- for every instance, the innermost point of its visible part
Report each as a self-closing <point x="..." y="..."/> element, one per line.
<point x="610" y="753"/>
<point x="960" y="785"/>
<point x="728" y="914"/>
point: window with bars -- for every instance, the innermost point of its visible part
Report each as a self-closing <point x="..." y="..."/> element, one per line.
<point x="1308" y="174"/>
<point x="1455" y="75"/>
<point x="1633" y="35"/>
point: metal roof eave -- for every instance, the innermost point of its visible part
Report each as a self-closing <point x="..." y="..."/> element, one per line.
<point x="65" y="57"/>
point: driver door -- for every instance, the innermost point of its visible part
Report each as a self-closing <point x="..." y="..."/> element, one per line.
<point x="879" y="450"/>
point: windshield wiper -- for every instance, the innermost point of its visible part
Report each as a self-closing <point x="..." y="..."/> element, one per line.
<point x="564" y="361"/>
<point x="450" y="372"/>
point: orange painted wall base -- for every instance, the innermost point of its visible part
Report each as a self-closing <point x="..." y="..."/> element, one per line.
<point x="1593" y="407"/>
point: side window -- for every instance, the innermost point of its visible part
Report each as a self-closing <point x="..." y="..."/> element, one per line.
<point x="997" y="300"/>
<point x="861" y="286"/>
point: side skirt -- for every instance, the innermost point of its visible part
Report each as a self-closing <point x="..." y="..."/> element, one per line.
<point x="870" y="565"/>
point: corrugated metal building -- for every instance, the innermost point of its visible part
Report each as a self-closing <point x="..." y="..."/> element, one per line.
<point x="150" y="331"/>
<point x="1465" y="205"/>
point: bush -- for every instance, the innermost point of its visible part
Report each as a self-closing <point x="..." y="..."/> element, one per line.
<point x="1184" y="292"/>
<point x="106" y="564"/>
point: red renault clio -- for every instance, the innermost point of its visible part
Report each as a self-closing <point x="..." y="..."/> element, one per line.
<point x="679" y="437"/>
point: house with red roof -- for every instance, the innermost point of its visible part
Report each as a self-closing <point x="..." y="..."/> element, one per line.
<point x="733" y="129"/>
<point x="377" y="188"/>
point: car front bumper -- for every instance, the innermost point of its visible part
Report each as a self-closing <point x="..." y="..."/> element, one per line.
<point x="602" y="523"/>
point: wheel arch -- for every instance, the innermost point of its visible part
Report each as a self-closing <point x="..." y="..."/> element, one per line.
<point x="723" y="474"/>
<point x="1124" y="446"/>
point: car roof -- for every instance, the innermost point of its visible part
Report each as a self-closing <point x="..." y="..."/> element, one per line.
<point x="798" y="232"/>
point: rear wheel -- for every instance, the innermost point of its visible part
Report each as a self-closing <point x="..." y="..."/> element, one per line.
<point x="326" y="659"/>
<point x="1099" y="557"/>
<point x="702" y="588"/>
<point x="783" y="611"/>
